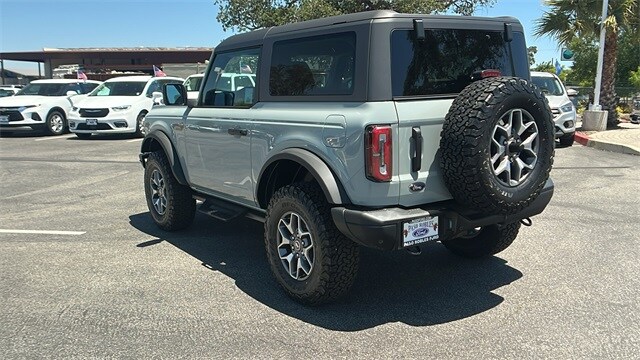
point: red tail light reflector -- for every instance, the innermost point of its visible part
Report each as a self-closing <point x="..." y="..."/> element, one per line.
<point x="378" y="153"/>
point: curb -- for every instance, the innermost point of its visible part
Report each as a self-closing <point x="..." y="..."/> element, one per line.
<point x="581" y="138"/>
<point x="585" y="140"/>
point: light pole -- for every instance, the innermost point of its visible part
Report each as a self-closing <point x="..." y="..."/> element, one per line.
<point x="595" y="118"/>
<point x="603" y="30"/>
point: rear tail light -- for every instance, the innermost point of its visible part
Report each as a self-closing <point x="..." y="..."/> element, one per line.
<point x="378" y="152"/>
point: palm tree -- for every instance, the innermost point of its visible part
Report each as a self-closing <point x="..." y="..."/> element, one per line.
<point x="568" y="19"/>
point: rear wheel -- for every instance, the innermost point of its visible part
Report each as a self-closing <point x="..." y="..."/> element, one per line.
<point x="56" y="123"/>
<point x="484" y="241"/>
<point x="170" y="203"/>
<point x="312" y="261"/>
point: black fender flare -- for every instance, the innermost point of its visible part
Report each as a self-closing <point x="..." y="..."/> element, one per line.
<point x="169" y="151"/>
<point x="332" y="189"/>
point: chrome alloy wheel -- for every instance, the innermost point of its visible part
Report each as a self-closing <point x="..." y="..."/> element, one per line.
<point x="295" y="246"/>
<point x="514" y="147"/>
<point x="140" y="123"/>
<point x="56" y="123"/>
<point x="159" y="192"/>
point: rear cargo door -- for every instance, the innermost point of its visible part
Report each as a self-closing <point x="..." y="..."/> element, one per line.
<point x="427" y="75"/>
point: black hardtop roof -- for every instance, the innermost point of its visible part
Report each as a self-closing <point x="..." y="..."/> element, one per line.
<point x="255" y="37"/>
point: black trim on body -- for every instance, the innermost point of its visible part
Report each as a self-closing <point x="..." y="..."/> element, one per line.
<point x="382" y="229"/>
<point x="169" y="151"/>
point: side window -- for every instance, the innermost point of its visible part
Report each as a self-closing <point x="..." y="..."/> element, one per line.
<point x="223" y="87"/>
<point x="319" y="65"/>
<point x="73" y="87"/>
<point x="88" y="87"/>
<point x="153" y="87"/>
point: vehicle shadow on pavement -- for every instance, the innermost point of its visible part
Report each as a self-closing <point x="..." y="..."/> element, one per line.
<point x="434" y="288"/>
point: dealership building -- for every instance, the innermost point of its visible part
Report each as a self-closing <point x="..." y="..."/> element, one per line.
<point x="105" y="63"/>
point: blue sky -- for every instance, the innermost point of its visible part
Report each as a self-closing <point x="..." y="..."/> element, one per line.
<point x="30" y="25"/>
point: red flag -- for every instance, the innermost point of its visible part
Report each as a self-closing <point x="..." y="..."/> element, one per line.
<point x="81" y="75"/>
<point x="157" y="72"/>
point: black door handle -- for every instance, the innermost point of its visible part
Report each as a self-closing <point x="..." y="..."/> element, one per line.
<point x="238" y="132"/>
<point x="416" y="159"/>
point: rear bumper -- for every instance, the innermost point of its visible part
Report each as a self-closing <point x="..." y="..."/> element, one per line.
<point x="382" y="229"/>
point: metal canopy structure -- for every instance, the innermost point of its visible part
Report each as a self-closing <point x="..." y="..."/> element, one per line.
<point x="103" y="60"/>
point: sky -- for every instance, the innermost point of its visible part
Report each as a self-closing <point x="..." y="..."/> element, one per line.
<point x="31" y="25"/>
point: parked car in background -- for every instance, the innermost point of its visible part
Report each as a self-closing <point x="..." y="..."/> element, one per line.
<point x="119" y="105"/>
<point x="192" y="84"/>
<point x="8" y="91"/>
<point x="564" y="111"/>
<point x="43" y="104"/>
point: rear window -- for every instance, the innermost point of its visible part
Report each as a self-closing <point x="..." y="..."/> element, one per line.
<point x="319" y="65"/>
<point x="446" y="60"/>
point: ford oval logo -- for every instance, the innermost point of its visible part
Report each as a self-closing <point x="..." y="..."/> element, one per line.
<point x="420" y="232"/>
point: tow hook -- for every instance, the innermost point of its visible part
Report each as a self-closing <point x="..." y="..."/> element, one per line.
<point x="414" y="250"/>
<point x="526" y="222"/>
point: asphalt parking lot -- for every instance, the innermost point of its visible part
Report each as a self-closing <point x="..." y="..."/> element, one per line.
<point x="103" y="281"/>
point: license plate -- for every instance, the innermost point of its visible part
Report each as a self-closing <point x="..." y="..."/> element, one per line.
<point x="421" y="230"/>
<point x="4" y="119"/>
<point x="91" y="122"/>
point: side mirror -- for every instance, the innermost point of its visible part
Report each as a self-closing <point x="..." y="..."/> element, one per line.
<point x="71" y="93"/>
<point x="156" y="96"/>
<point x="174" y="94"/>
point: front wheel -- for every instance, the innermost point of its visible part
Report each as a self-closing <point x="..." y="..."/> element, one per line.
<point x="484" y="241"/>
<point x="140" y="124"/>
<point x="170" y="203"/>
<point x="312" y="261"/>
<point x="567" y="140"/>
<point x="56" y="123"/>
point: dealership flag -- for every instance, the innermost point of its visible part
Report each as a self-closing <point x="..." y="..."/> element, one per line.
<point x="82" y="75"/>
<point x="158" y="72"/>
<point x="558" y="68"/>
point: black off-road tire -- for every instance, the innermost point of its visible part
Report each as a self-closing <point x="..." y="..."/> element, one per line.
<point x="567" y="140"/>
<point x="180" y="205"/>
<point x="83" y="136"/>
<point x="53" y="125"/>
<point x="336" y="258"/>
<point x="139" y="122"/>
<point x="490" y="240"/>
<point x="466" y="141"/>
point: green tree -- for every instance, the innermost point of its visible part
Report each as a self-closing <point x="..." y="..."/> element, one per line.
<point x="532" y="51"/>
<point x="634" y="78"/>
<point x="545" y="66"/>
<point x="570" y="19"/>
<point x="243" y="15"/>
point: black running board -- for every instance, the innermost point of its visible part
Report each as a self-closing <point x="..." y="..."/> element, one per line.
<point x="226" y="211"/>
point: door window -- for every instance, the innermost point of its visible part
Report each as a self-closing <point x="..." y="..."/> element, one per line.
<point x="224" y="87"/>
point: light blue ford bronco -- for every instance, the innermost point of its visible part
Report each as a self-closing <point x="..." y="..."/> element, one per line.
<point x="374" y="129"/>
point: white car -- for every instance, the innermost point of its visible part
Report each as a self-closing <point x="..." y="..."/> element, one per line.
<point x="8" y="91"/>
<point x="564" y="112"/>
<point x="192" y="84"/>
<point x="43" y="104"/>
<point x="117" y="106"/>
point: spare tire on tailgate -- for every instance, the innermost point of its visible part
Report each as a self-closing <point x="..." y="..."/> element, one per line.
<point x="497" y="145"/>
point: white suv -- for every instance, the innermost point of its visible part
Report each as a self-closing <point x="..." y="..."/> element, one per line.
<point x="192" y="84"/>
<point x="564" y="113"/>
<point x="43" y="104"/>
<point x="119" y="105"/>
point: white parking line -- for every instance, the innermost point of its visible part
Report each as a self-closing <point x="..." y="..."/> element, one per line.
<point x="134" y="140"/>
<point x="44" y="232"/>
<point x="55" y="137"/>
